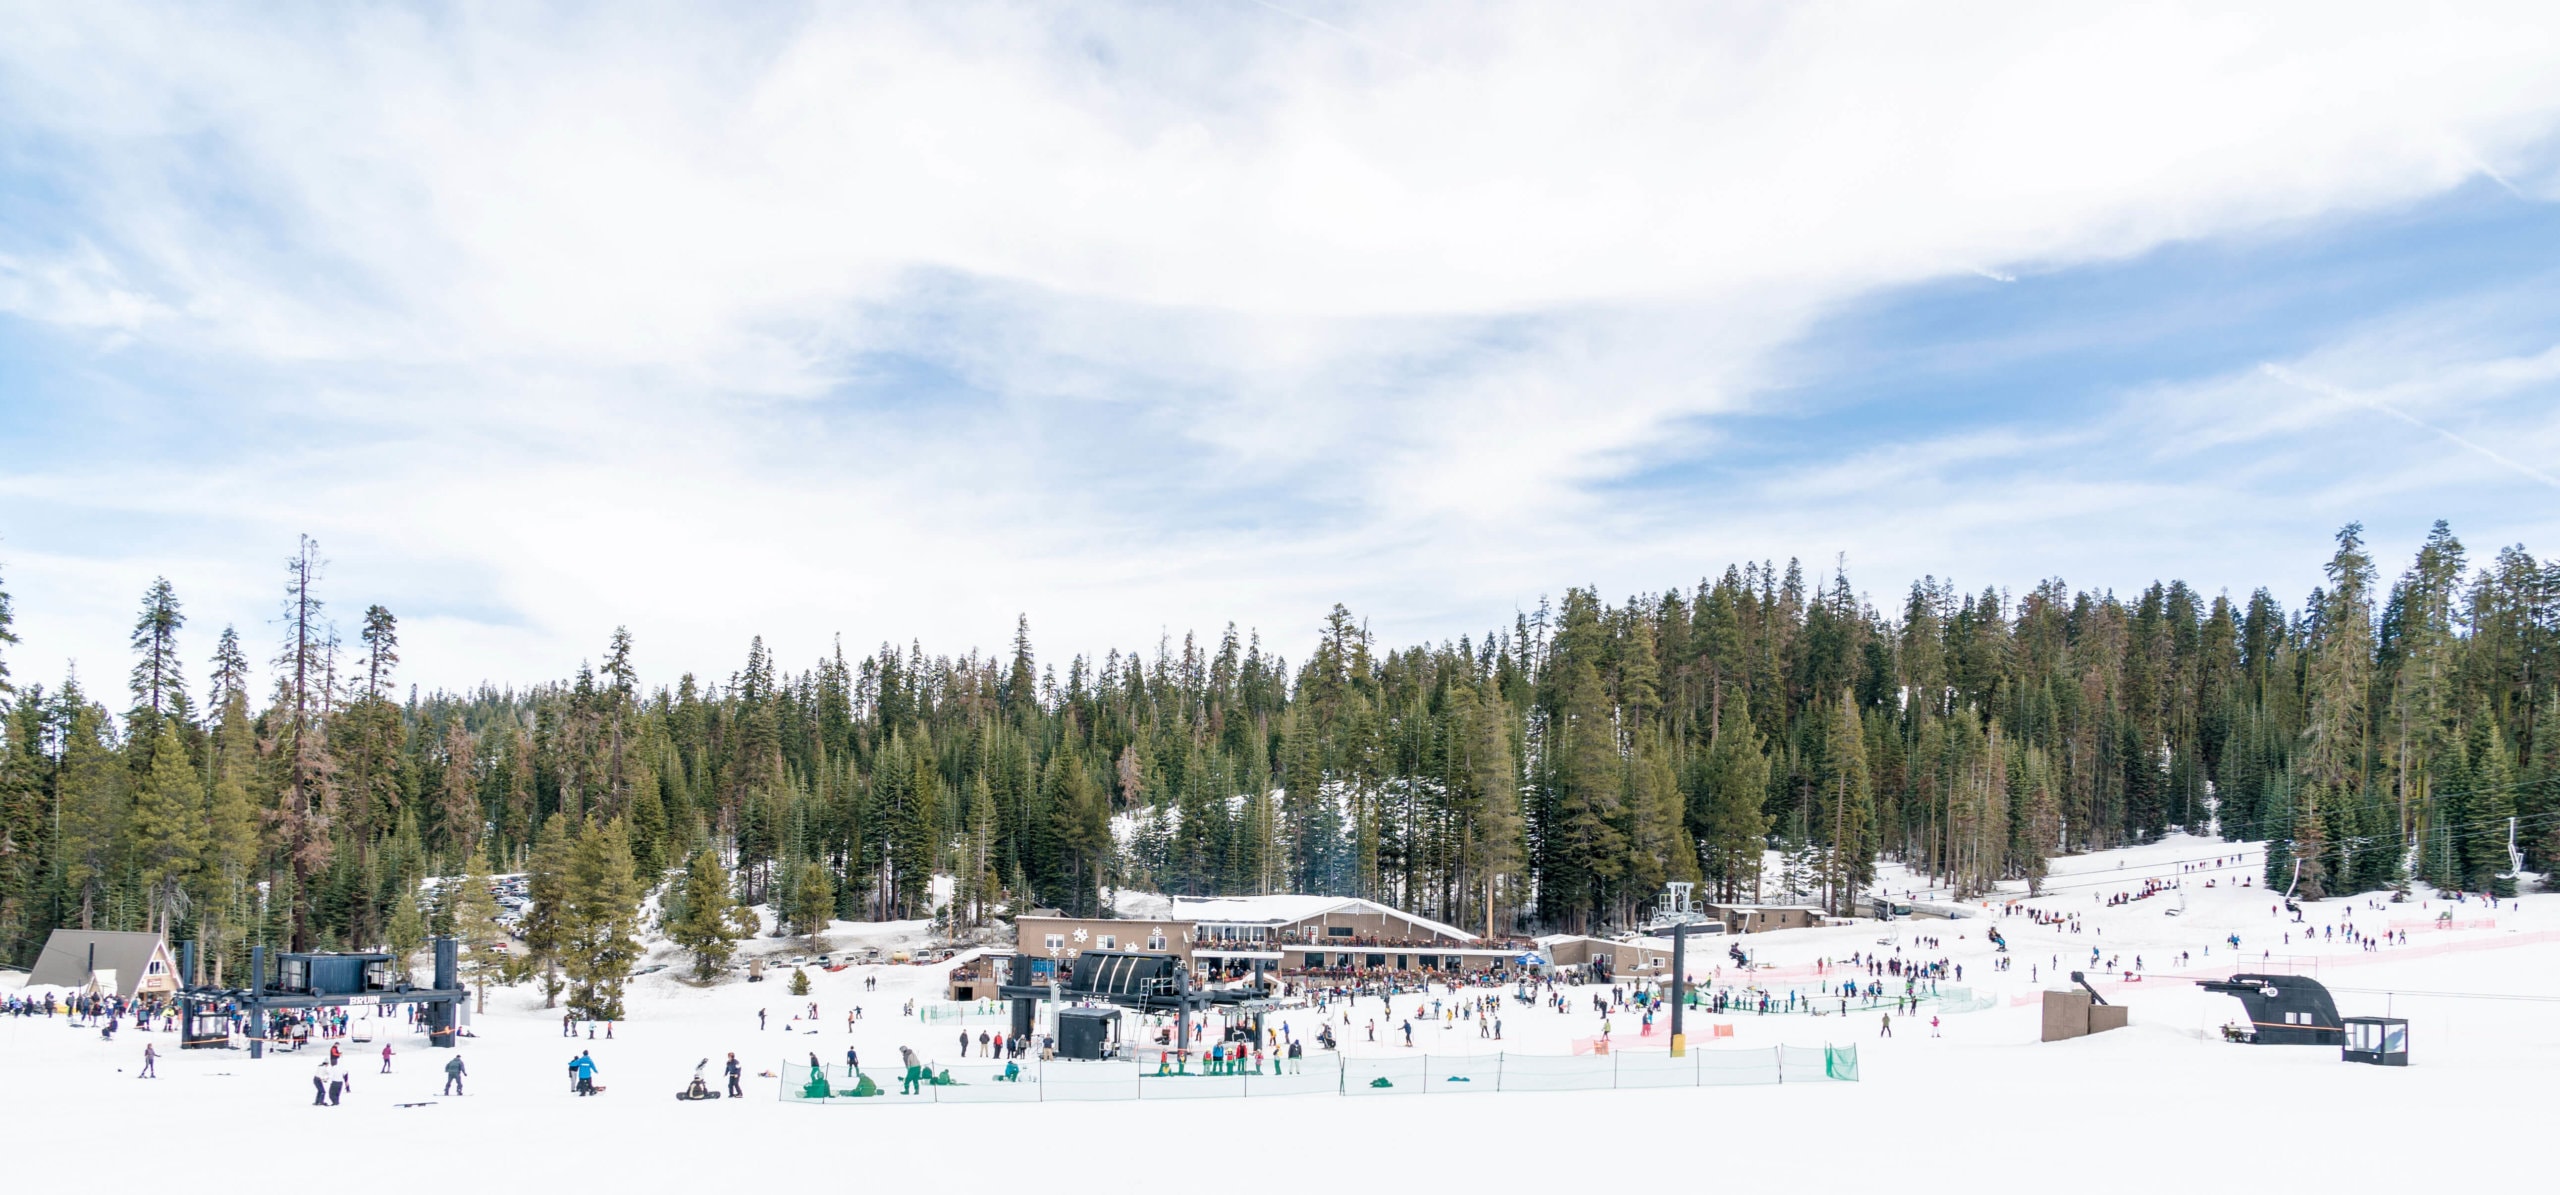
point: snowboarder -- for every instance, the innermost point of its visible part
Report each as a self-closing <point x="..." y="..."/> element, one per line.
<point x="320" y="1077"/>
<point x="759" y="1020"/>
<point x="1886" y="1030"/>
<point x="453" y="1075"/>
<point x="584" y="1066"/>
<point x="734" y="1073"/>
<point x="912" y="1081"/>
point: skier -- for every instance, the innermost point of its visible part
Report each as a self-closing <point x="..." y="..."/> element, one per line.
<point x="386" y="1058"/>
<point x="1886" y="1030"/>
<point x="735" y="1074"/>
<point x="912" y="1081"/>
<point x="150" y="1056"/>
<point x="320" y="1077"/>
<point x="759" y="1020"/>
<point x="453" y="1075"/>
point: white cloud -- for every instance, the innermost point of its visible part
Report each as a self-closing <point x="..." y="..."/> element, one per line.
<point x="1261" y="307"/>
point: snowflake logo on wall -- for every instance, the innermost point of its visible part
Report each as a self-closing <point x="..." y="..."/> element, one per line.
<point x="1079" y="935"/>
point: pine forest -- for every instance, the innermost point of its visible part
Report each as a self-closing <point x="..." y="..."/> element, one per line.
<point x="1767" y="734"/>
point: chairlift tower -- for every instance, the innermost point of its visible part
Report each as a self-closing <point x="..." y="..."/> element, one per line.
<point x="1676" y="916"/>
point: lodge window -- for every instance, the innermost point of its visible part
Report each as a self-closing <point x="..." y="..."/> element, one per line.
<point x="1055" y="941"/>
<point x="1155" y="941"/>
<point x="1337" y="931"/>
<point x="1110" y="942"/>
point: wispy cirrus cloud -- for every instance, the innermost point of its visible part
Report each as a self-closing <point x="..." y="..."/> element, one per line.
<point x="898" y="320"/>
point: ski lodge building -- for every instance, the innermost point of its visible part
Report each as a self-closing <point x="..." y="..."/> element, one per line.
<point x="1227" y="935"/>
<point x="128" y="964"/>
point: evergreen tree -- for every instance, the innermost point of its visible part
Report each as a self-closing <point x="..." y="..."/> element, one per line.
<point x="305" y="693"/>
<point x="93" y="798"/>
<point x="601" y="923"/>
<point x="476" y="932"/>
<point x="8" y="638"/>
<point x="458" y="815"/>
<point x="2337" y="683"/>
<point x="231" y="840"/>
<point x="230" y="670"/>
<point x="1081" y="827"/>
<point x="1850" y="861"/>
<point x="704" y="917"/>
<point x="1727" y="803"/>
<point x="977" y="886"/>
<point x="159" y="678"/>
<point x="2482" y="832"/>
<point x="813" y="903"/>
<point x="548" y="928"/>
<point x="405" y="932"/>
<point x="168" y="825"/>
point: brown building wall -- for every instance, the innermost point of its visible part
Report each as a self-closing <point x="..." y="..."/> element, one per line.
<point x="1756" y="919"/>
<point x="1626" y="959"/>
<point x="1031" y="935"/>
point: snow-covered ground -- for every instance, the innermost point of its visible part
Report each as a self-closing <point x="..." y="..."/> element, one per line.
<point x="1985" y="1105"/>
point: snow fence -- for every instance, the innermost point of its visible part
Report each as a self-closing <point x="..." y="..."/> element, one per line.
<point x="1333" y="1074"/>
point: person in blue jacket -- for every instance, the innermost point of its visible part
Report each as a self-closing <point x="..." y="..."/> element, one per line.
<point x="586" y="1068"/>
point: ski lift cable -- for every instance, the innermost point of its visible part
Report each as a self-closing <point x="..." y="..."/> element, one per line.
<point x="2445" y="995"/>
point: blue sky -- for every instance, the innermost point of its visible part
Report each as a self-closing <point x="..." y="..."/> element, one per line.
<point x="891" y="322"/>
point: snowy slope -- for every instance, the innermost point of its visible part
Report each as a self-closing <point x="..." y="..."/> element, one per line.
<point x="1983" y="1105"/>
